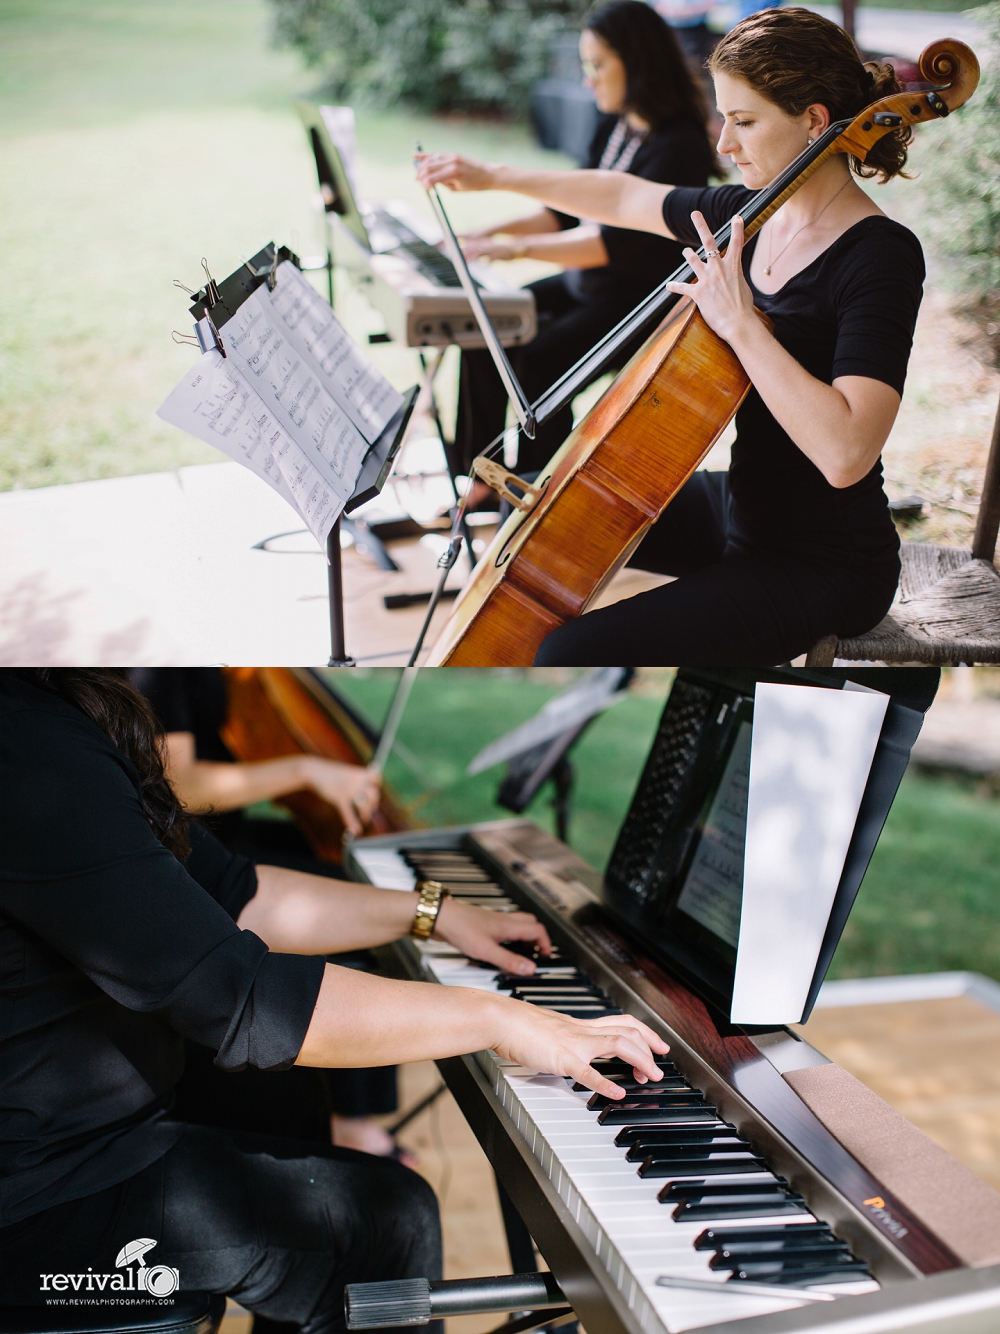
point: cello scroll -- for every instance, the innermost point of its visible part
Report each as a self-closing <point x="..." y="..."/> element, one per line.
<point x="948" y="63"/>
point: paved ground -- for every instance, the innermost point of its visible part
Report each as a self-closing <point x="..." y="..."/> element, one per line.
<point x="164" y="568"/>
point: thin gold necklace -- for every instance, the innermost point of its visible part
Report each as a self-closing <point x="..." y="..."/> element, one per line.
<point x="771" y="262"/>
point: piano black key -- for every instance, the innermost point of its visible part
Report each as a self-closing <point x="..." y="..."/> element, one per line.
<point x="608" y="1064"/>
<point x="534" y="991"/>
<point x="683" y="1190"/>
<point x="649" y="1148"/>
<point x="545" y="973"/>
<point x="850" y="1272"/>
<point x="765" y="1205"/>
<point x="738" y="1257"/>
<point x="701" y="1152"/>
<point x="669" y="1083"/>
<point x="633" y="1114"/>
<point x="653" y="1099"/>
<point x="485" y="891"/>
<point x="629" y="1135"/>
<point x="794" y="1233"/>
<point x="578" y="1012"/>
<point x="724" y="1164"/>
<point x="560" y="981"/>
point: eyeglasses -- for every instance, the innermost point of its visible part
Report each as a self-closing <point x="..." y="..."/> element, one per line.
<point x="590" y="70"/>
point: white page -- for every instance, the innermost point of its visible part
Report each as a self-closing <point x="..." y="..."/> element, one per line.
<point x="339" y="122"/>
<point x="354" y="383"/>
<point x="810" y="756"/>
<point x="214" y="403"/>
<point x="261" y="350"/>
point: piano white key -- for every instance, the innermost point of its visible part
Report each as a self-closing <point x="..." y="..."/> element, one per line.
<point x="632" y="1234"/>
<point x="636" y="1237"/>
<point x="384" y="867"/>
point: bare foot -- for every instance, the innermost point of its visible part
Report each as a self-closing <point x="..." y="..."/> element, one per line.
<point x="366" y="1135"/>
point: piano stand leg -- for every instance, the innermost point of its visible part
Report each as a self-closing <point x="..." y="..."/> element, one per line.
<point x="519" y="1243"/>
<point x="430" y="371"/>
<point x="335" y="581"/>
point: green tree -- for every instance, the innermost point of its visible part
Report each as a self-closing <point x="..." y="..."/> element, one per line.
<point x="960" y="162"/>
<point x="437" y="55"/>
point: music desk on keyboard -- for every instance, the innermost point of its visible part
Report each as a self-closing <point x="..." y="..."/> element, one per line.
<point x="608" y="1232"/>
<point x="422" y="309"/>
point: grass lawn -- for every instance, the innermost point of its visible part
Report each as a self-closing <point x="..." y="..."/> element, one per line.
<point x="135" y="137"/>
<point x="929" y="902"/>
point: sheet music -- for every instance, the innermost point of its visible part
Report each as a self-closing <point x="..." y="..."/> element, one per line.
<point x="339" y="122"/>
<point x="810" y="756"/>
<point x="362" y="391"/>
<point x="215" y="403"/>
<point x="260" y="348"/>
<point x="713" y="888"/>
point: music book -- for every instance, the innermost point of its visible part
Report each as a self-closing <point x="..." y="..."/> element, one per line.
<point x="290" y="396"/>
<point x="753" y="823"/>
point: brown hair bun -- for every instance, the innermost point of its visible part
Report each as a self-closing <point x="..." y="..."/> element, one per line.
<point x="795" y="58"/>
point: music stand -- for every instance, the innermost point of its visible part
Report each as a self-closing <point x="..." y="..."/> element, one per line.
<point x="220" y="301"/>
<point x="338" y="198"/>
<point x="373" y="477"/>
<point x="538" y="750"/>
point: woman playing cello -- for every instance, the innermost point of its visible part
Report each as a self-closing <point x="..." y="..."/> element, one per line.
<point x="653" y="126"/>
<point x="796" y="541"/>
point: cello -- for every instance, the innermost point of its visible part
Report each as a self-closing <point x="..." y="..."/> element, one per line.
<point x="277" y="711"/>
<point x="572" y="529"/>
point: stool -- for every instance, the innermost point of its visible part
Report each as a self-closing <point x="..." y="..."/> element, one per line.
<point x="947" y="606"/>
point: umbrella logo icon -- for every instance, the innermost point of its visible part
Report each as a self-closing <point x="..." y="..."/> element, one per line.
<point x="135" y="1250"/>
<point x="160" y="1280"/>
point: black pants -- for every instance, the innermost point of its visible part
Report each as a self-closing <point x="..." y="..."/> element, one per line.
<point x="729" y="606"/>
<point x="567" y="329"/>
<point x="277" y="1225"/>
<point x="299" y="1101"/>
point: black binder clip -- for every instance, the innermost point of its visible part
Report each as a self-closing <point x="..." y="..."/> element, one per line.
<point x="211" y="286"/>
<point x="209" y="338"/>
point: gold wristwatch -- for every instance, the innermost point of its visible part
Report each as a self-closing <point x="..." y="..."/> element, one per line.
<point x="432" y="895"/>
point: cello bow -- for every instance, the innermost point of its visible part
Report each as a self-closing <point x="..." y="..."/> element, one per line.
<point x="626" y="460"/>
<point x="278" y="711"/>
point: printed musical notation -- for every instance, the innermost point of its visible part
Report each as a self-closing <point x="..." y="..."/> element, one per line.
<point x="214" y="403"/>
<point x="713" y="889"/>
<point x="294" y="399"/>
<point x="366" y="396"/>
<point x="259" y="346"/>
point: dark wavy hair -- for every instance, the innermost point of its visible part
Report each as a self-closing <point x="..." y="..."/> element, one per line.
<point x="796" y="59"/>
<point x="107" y="697"/>
<point x="660" y="86"/>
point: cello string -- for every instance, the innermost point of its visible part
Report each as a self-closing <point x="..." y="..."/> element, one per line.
<point x="566" y="387"/>
<point x="756" y="213"/>
<point x="758" y="210"/>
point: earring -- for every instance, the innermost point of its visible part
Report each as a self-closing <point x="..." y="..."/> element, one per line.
<point x="809" y="141"/>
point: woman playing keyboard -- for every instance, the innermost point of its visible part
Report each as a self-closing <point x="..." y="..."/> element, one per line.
<point x="124" y="929"/>
<point x="654" y="125"/>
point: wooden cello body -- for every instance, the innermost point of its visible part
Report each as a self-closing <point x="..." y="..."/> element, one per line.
<point x="601" y="492"/>
<point x="277" y="711"/>
<point x="623" y="464"/>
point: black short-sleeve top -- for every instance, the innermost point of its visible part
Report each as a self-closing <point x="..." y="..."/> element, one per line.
<point x="852" y="311"/>
<point x="677" y="153"/>
<point x="111" y="953"/>
<point x="188" y="699"/>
